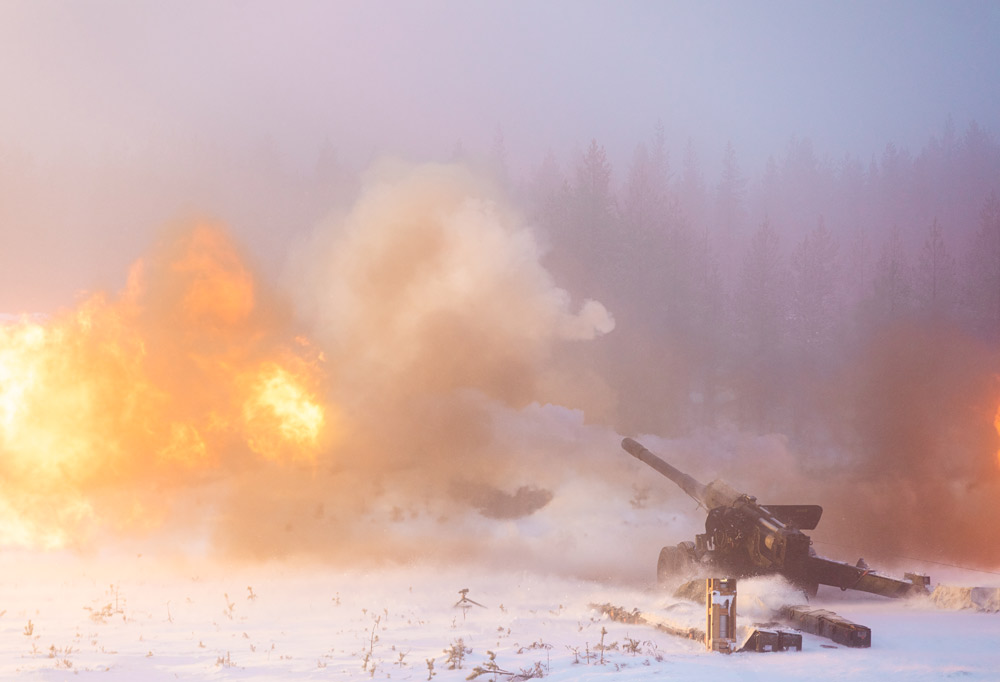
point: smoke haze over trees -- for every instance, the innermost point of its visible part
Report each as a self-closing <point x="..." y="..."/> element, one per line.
<point x="786" y="276"/>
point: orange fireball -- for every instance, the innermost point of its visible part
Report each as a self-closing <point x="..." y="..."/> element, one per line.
<point x="186" y="371"/>
<point x="281" y="414"/>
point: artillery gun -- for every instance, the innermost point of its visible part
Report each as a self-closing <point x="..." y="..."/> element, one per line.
<point x="743" y="538"/>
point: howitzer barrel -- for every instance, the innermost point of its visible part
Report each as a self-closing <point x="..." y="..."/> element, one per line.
<point x="686" y="483"/>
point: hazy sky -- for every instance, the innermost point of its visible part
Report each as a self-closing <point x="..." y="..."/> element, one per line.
<point x="417" y="77"/>
<point x="120" y="115"/>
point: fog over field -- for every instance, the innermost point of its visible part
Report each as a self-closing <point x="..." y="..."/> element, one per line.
<point x="362" y="285"/>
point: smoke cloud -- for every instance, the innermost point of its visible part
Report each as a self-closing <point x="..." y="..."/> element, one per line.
<point x="435" y="318"/>
<point x="419" y="388"/>
<point x="355" y="418"/>
<point x="922" y="474"/>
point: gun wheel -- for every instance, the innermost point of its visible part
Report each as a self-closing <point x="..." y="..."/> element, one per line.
<point x="674" y="564"/>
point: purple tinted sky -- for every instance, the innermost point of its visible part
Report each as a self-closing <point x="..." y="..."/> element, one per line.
<point x="118" y="116"/>
<point x="416" y="77"/>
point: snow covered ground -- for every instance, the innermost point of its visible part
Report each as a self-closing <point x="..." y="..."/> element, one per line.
<point x="64" y="617"/>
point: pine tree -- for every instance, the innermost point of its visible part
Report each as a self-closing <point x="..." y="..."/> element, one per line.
<point x="498" y="160"/>
<point x="760" y="300"/>
<point x="759" y="317"/>
<point x="814" y="291"/>
<point x="730" y="193"/>
<point x="982" y="285"/>
<point x="891" y="287"/>
<point x="691" y="190"/>
<point x="935" y="276"/>
<point x="594" y="240"/>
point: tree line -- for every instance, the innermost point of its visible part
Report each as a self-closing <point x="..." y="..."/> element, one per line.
<point x="750" y="298"/>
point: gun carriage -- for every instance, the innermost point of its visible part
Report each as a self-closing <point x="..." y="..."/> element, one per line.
<point x="743" y="538"/>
